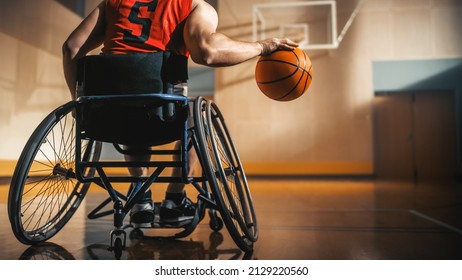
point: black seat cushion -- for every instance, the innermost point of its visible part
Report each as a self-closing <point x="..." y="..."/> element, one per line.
<point x="135" y="122"/>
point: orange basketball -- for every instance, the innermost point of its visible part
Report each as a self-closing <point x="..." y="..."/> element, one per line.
<point x="284" y="75"/>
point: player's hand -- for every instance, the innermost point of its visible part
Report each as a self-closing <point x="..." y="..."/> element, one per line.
<point x="271" y="45"/>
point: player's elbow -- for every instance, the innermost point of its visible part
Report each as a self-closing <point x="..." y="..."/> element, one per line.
<point x="207" y="56"/>
<point x="69" y="49"/>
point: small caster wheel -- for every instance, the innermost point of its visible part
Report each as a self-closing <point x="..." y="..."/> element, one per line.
<point x="118" y="248"/>
<point x="118" y="240"/>
<point x="216" y="223"/>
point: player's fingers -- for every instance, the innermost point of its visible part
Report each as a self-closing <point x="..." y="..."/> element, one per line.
<point x="286" y="44"/>
<point x="274" y="44"/>
<point x="286" y="47"/>
<point x="289" y="42"/>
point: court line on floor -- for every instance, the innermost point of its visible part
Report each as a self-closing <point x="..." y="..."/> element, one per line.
<point x="433" y="220"/>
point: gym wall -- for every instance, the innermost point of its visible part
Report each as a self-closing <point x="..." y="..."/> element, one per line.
<point x="326" y="132"/>
<point x="329" y="130"/>
<point x="31" y="79"/>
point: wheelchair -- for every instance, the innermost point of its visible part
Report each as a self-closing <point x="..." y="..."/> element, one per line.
<point x="62" y="158"/>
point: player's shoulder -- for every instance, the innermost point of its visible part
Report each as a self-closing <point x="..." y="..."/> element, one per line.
<point x="199" y="4"/>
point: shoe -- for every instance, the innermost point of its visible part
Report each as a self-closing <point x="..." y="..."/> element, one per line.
<point x="142" y="213"/>
<point x="171" y="212"/>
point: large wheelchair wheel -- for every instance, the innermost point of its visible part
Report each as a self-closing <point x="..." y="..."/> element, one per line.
<point x="44" y="192"/>
<point x="226" y="175"/>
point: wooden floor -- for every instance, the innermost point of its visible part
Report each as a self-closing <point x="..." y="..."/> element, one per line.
<point x="328" y="219"/>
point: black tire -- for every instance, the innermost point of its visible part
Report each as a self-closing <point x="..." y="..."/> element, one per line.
<point x="226" y="175"/>
<point x="215" y="223"/>
<point x="118" y="248"/>
<point x="41" y="199"/>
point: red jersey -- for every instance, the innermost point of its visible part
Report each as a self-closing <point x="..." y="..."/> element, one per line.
<point x="145" y="26"/>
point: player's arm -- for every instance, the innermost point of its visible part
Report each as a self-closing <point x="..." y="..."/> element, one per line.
<point x="85" y="38"/>
<point x="211" y="48"/>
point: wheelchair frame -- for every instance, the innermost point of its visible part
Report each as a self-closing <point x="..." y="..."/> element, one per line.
<point x="222" y="187"/>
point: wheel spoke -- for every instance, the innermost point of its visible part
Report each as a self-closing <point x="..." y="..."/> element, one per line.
<point x="42" y="199"/>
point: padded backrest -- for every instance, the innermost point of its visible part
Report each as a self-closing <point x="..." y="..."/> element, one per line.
<point x="129" y="73"/>
<point x="140" y="120"/>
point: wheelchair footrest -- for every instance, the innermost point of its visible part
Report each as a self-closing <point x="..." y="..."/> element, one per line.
<point x="158" y="223"/>
<point x="169" y="225"/>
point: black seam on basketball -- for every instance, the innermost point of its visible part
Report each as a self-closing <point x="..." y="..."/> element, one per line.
<point x="306" y="83"/>
<point x="303" y="69"/>
<point x="280" y="79"/>
<point x="304" y="55"/>
<point x="277" y="60"/>
<point x="287" y="94"/>
<point x="296" y="85"/>
<point x="298" y="59"/>
<point x="308" y="76"/>
<point x="308" y="72"/>
<point x="304" y="86"/>
<point x="283" y="61"/>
